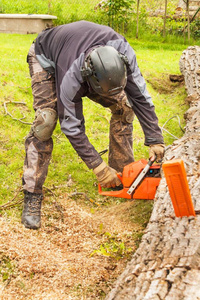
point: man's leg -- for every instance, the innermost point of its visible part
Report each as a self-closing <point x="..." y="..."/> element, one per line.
<point x="120" y="145"/>
<point x="121" y="128"/>
<point x="38" y="144"/>
<point x="121" y="134"/>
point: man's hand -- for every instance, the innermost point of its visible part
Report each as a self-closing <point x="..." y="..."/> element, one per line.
<point x="156" y="152"/>
<point x="106" y="176"/>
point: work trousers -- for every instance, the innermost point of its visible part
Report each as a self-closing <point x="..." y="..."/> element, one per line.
<point x="38" y="152"/>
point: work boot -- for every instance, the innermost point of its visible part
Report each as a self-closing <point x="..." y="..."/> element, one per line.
<point x="31" y="216"/>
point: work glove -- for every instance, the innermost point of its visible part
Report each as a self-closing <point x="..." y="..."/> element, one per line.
<point x="106" y="176"/>
<point x="156" y="151"/>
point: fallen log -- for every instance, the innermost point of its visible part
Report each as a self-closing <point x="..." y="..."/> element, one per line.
<point x="167" y="263"/>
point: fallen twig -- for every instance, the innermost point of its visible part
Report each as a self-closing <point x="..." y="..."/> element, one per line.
<point x="49" y="190"/>
<point x="8" y="113"/>
<point x="12" y="202"/>
<point x="59" y="209"/>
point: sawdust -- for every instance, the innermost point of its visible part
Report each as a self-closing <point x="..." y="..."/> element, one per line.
<point x="55" y="262"/>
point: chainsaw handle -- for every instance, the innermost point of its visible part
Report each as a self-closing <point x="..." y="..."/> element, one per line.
<point x="152" y="159"/>
<point x="119" y="175"/>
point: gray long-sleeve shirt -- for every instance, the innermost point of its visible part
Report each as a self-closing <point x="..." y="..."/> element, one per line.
<point x="62" y="50"/>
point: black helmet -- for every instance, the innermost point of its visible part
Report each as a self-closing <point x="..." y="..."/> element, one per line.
<point x="105" y="70"/>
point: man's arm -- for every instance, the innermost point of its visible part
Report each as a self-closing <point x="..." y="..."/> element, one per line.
<point x="138" y="95"/>
<point x="140" y="100"/>
<point x="73" y="126"/>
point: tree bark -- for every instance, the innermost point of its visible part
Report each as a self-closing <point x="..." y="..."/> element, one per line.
<point x="137" y="29"/>
<point x="188" y="18"/>
<point x="167" y="263"/>
<point x="165" y="18"/>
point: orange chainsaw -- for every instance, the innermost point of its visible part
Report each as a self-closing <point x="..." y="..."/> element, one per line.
<point x="140" y="180"/>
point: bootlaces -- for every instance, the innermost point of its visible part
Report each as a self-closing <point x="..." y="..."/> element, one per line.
<point x="34" y="206"/>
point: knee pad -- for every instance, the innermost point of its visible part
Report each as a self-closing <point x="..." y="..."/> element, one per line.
<point x="128" y="114"/>
<point x="44" y="124"/>
<point x="122" y="111"/>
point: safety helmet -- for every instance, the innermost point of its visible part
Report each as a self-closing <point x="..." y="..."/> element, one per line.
<point x="105" y="70"/>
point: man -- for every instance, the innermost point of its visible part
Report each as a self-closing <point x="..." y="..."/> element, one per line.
<point x="67" y="63"/>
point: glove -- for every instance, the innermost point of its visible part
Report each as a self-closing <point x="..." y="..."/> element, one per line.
<point x="157" y="152"/>
<point x="106" y="176"/>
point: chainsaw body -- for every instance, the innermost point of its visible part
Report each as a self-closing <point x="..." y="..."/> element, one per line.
<point x="145" y="189"/>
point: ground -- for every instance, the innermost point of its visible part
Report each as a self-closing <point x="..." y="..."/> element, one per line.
<point x="77" y="254"/>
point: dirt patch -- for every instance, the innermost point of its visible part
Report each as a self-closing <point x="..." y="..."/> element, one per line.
<point x="66" y="258"/>
<point x="166" y="83"/>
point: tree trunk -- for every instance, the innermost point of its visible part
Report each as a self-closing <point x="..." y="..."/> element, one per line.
<point x="137" y="29"/>
<point x="190" y="68"/>
<point x="165" y="18"/>
<point x="188" y="18"/>
<point x="167" y="263"/>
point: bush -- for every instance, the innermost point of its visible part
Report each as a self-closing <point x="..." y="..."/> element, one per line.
<point x="119" y="14"/>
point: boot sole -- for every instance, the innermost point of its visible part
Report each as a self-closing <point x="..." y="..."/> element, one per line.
<point x="31" y="227"/>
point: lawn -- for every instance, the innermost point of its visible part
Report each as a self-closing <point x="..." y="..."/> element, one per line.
<point x="156" y="63"/>
<point x="85" y="230"/>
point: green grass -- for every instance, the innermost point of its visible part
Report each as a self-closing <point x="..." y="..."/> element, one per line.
<point x="150" y="28"/>
<point x="7" y="268"/>
<point x="66" y="12"/>
<point x="156" y="62"/>
<point x="157" y="59"/>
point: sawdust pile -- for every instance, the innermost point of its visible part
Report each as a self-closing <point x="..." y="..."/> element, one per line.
<point x="55" y="262"/>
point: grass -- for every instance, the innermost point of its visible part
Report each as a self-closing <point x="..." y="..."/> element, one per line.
<point x="71" y="11"/>
<point x="156" y="61"/>
<point x="150" y="28"/>
<point x="7" y="268"/>
<point x="67" y="173"/>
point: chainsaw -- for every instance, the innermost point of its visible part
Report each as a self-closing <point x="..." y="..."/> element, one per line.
<point x="140" y="180"/>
